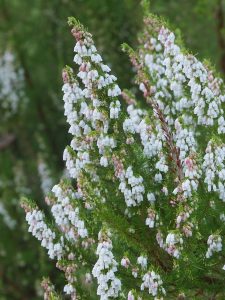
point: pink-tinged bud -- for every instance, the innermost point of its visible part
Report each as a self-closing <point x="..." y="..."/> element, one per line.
<point x="87" y="205"/>
<point x="172" y="202"/>
<point x="210" y="76"/>
<point x="189" y="163"/>
<point x="71" y="256"/>
<point x="125" y="262"/>
<point x="146" y="93"/>
<point x="128" y="99"/>
<point x="83" y="68"/>
<point x="130" y="141"/>
<point x="130" y="296"/>
<point x="118" y="166"/>
<point x="65" y="76"/>
<point x="77" y="34"/>
<point x="187" y="231"/>
<point x="179" y="219"/>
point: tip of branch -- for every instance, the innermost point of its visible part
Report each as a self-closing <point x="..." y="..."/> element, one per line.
<point x="145" y="6"/>
<point x="73" y="22"/>
<point x="126" y="48"/>
<point x="27" y="204"/>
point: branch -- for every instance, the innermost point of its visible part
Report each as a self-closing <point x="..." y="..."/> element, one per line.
<point x="6" y="140"/>
<point x="174" y="151"/>
<point x="220" y="27"/>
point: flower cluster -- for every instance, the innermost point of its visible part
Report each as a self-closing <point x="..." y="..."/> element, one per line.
<point x="104" y="270"/>
<point x="142" y="261"/>
<point x="186" y="80"/>
<point x="45" y="177"/>
<point x="214" y="167"/>
<point x="47" y="237"/>
<point x="49" y="289"/>
<point x="174" y="244"/>
<point x="152" y="217"/>
<point x="7" y="219"/>
<point x="131" y="187"/>
<point x="153" y="283"/>
<point x="151" y="139"/>
<point x="215" y="245"/>
<point x="11" y="84"/>
<point x="66" y="215"/>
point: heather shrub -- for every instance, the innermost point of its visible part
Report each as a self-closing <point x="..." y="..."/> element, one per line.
<point x="140" y="212"/>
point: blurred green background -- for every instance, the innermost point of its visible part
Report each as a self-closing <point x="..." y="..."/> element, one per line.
<point x="37" y="34"/>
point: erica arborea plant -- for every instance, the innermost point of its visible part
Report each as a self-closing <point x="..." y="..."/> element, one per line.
<point x="142" y="215"/>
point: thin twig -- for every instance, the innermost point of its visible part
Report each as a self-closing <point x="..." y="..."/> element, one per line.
<point x="6" y="140"/>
